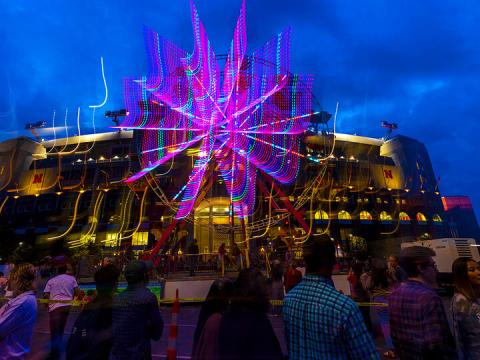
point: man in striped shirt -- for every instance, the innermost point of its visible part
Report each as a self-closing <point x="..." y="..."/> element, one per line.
<point x="418" y="322"/>
<point x="320" y="322"/>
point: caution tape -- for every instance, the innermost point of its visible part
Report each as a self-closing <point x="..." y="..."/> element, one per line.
<point x="171" y="301"/>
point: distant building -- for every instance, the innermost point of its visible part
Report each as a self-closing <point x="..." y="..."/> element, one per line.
<point x="349" y="187"/>
<point x="461" y="217"/>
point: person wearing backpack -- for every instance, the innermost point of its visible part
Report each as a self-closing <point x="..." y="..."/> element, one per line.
<point x="91" y="336"/>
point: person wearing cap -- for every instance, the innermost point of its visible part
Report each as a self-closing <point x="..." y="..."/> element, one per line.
<point x="136" y="317"/>
<point x="419" y="326"/>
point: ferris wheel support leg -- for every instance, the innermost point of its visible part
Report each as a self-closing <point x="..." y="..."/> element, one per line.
<point x="247" y="244"/>
<point x="291" y="209"/>
<point x="164" y="237"/>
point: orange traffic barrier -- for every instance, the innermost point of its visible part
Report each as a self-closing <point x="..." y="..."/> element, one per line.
<point x="173" y="331"/>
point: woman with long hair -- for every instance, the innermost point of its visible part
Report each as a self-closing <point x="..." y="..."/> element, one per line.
<point x="466" y="307"/>
<point x="245" y="330"/>
<point x="207" y="330"/>
<point x="18" y="316"/>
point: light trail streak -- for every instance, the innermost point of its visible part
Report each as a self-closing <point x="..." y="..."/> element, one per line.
<point x="74" y="218"/>
<point x="106" y="88"/>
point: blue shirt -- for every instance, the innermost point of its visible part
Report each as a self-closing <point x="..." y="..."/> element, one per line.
<point x="17" y="320"/>
<point x="322" y="323"/>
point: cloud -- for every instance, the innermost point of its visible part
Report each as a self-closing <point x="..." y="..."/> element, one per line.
<point x="410" y="62"/>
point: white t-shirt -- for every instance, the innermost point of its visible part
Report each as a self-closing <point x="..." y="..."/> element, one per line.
<point x="60" y="287"/>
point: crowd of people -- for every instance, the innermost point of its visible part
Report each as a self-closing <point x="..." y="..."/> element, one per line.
<point x="113" y="325"/>
<point x="320" y="322"/>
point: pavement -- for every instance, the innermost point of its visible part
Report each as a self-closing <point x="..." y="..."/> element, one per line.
<point x="187" y="321"/>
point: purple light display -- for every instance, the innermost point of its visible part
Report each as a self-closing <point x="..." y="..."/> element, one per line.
<point x="246" y="118"/>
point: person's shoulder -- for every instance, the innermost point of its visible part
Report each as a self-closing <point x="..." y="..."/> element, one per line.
<point x="120" y="295"/>
<point x="415" y="290"/>
<point x="341" y="301"/>
<point x="458" y="297"/>
<point x="28" y="302"/>
<point x="70" y="277"/>
<point x="67" y="278"/>
<point x="320" y="291"/>
<point x="460" y="303"/>
<point x="143" y="293"/>
<point x="152" y="297"/>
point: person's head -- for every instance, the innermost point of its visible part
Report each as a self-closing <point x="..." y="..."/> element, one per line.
<point x="219" y="295"/>
<point x="393" y="261"/>
<point x="357" y="268"/>
<point x="136" y="272"/>
<point x="2" y="274"/>
<point x="21" y="278"/>
<point x="379" y="274"/>
<point x="251" y="290"/>
<point x="62" y="269"/>
<point x="466" y="276"/>
<point x="107" y="261"/>
<point x="319" y="255"/>
<point x="418" y="263"/>
<point x="106" y="280"/>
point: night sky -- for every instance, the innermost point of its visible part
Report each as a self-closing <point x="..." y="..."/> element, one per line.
<point x="415" y="63"/>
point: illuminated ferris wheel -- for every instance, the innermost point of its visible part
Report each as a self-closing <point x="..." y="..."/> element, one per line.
<point x="242" y="122"/>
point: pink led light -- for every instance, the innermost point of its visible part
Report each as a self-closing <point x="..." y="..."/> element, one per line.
<point x="251" y="120"/>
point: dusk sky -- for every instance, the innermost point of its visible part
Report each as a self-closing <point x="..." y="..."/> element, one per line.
<point x="415" y="63"/>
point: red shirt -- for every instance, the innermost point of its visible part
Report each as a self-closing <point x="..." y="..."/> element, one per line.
<point x="292" y="277"/>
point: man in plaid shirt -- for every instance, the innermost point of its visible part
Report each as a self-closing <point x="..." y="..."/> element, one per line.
<point x="418" y="323"/>
<point x="320" y="322"/>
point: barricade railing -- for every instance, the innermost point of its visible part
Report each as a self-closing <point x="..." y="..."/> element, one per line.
<point x="202" y="262"/>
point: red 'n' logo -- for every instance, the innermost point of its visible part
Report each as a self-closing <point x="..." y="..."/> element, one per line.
<point x="37" y="178"/>
<point x="387" y="174"/>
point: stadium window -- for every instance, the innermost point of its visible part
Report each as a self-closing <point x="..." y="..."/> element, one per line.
<point x="403" y="216"/>
<point x="321" y="215"/>
<point x="140" y="238"/>
<point x="421" y="217"/>
<point x="344" y="215"/>
<point x="384" y="216"/>
<point x="365" y="215"/>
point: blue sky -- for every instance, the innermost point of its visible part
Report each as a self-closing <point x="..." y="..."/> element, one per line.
<point x="416" y="63"/>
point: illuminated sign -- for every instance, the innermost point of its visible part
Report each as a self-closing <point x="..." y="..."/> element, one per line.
<point x="37" y="178"/>
<point x="388" y="174"/>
